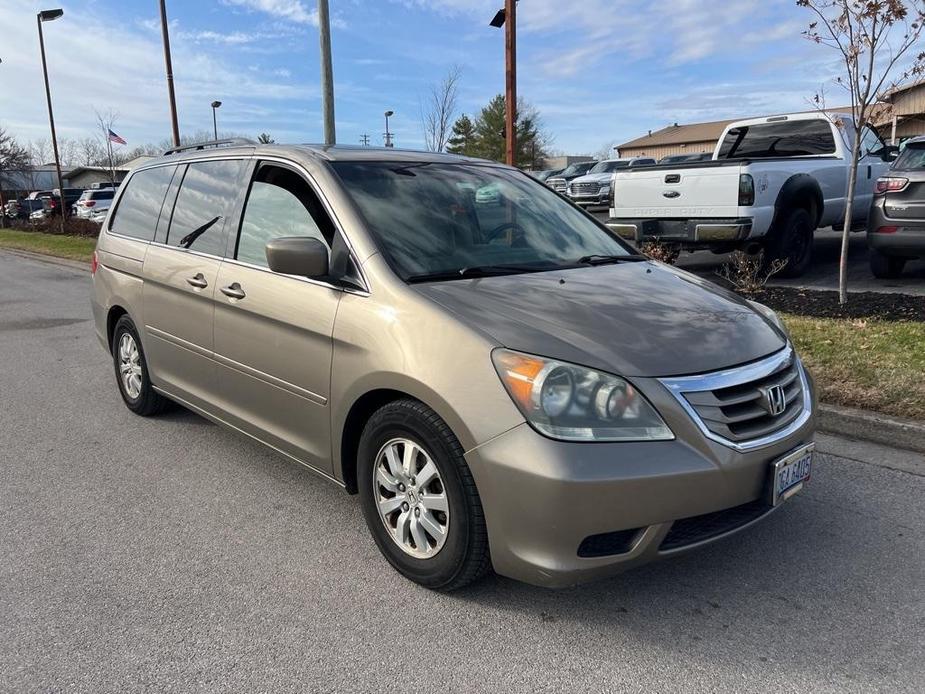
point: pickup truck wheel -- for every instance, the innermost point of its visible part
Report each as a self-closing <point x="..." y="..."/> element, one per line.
<point x="885" y="266"/>
<point x="791" y="240"/>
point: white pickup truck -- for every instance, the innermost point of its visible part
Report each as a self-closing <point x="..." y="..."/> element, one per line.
<point x="770" y="184"/>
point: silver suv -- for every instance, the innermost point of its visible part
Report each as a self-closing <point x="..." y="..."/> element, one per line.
<point x="503" y="381"/>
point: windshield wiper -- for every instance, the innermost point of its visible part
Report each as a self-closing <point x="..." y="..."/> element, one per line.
<point x="597" y="259"/>
<point x="475" y="271"/>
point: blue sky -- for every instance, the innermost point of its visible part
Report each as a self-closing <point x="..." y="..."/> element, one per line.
<point x="599" y="71"/>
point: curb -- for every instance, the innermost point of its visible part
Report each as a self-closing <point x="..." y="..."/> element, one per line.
<point x="52" y="259"/>
<point x="872" y="426"/>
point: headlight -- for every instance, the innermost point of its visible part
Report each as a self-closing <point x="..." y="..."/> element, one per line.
<point x="574" y="403"/>
<point x="605" y="190"/>
<point x="770" y="315"/>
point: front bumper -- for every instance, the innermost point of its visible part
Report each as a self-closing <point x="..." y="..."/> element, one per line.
<point x="561" y="513"/>
<point x="602" y="200"/>
<point x="683" y="231"/>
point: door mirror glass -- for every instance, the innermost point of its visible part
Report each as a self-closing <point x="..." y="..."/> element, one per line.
<point x="298" y="255"/>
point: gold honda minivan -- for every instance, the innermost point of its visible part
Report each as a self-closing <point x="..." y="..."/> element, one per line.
<point x="503" y="382"/>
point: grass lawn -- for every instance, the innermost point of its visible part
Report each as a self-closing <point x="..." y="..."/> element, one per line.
<point x="73" y="247"/>
<point x="869" y="364"/>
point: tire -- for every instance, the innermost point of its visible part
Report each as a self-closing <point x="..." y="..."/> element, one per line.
<point x="463" y="556"/>
<point x="145" y="401"/>
<point x="886" y="266"/>
<point x="791" y="240"/>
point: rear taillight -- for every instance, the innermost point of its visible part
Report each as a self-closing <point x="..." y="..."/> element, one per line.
<point x="746" y="190"/>
<point x="94" y="263"/>
<point x="89" y="203"/>
<point x="890" y="185"/>
<point x="52" y="204"/>
<point x="886" y="230"/>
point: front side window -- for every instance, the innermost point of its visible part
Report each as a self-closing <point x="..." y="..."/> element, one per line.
<point x="206" y="198"/>
<point x="782" y="139"/>
<point x="140" y="206"/>
<point x="457" y="219"/>
<point x="280" y="203"/>
<point x="870" y="141"/>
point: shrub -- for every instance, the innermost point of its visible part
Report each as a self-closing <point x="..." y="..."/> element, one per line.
<point x="663" y="252"/>
<point x="748" y="273"/>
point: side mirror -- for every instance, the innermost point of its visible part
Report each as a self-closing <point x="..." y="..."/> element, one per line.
<point x="298" y="255"/>
<point x="887" y="153"/>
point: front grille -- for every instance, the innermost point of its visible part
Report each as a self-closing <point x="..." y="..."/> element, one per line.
<point x="689" y="531"/>
<point x="585" y="189"/>
<point x="742" y="411"/>
<point x="557" y="184"/>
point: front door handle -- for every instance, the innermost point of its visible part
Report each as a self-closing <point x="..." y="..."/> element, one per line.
<point x="197" y="281"/>
<point x="234" y="291"/>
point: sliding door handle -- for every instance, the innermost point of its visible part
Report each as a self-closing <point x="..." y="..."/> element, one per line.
<point x="197" y="281"/>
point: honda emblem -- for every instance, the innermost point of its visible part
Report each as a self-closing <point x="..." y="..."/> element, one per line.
<point x="775" y="400"/>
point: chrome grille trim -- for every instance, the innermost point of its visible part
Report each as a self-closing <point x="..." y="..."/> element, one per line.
<point x="585" y="189"/>
<point x="700" y="388"/>
<point x="557" y="184"/>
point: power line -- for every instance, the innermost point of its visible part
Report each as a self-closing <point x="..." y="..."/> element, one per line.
<point x="364" y="140"/>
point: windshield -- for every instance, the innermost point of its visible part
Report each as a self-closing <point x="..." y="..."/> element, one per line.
<point x="577" y="169"/>
<point x="434" y="218"/>
<point x="608" y="166"/>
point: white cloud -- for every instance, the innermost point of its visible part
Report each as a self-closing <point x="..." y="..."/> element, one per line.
<point x="291" y="10"/>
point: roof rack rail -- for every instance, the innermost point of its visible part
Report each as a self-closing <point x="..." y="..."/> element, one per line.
<point x="211" y="143"/>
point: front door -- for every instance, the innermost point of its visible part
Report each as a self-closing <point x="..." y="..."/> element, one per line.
<point x="273" y="332"/>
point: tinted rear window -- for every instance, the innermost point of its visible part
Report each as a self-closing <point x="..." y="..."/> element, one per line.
<point x="783" y="139"/>
<point x="140" y="205"/>
<point x="913" y="157"/>
<point x="206" y="198"/>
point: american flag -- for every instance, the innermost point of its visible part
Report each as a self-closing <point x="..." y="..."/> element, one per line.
<point x="115" y="138"/>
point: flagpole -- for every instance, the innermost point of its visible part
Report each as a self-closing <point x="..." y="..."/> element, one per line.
<point x="112" y="174"/>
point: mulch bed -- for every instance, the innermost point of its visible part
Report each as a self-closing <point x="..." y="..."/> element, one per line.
<point x="824" y="304"/>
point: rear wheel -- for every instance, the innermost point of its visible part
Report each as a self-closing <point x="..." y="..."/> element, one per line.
<point x="132" y="371"/>
<point x="791" y="241"/>
<point x="419" y="498"/>
<point x="886" y="266"/>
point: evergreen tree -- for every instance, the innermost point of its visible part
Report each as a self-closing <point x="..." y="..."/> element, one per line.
<point x="463" y="139"/>
<point x="490" y="134"/>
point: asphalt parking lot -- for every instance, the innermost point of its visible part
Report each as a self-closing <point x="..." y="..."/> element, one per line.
<point x="168" y="554"/>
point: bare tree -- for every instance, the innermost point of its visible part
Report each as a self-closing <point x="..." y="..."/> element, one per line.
<point x="40" y="151"/>
<point x="265" y="139"/>
<point x="90" y="152"/>
<point x="438" y="109"/>
<point x="13" y="157"/>
<point x="873" y="38"/>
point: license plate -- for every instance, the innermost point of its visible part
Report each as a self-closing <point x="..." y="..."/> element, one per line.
<point x="790" y="473"/>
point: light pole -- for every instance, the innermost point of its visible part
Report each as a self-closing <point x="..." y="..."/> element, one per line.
<point x="49" y="16"/>
<point x="388" y="135"/>
<point x="507" y="18"/>
<point x="215" y="105"/>
<point x="165" y="33"/>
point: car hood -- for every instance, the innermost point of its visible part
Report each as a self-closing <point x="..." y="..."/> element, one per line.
<point x="634" y="319"/>
<point x="594" y="178"/>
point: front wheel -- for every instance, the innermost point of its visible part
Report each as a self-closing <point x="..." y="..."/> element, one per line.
<point x="419" y="499"/>
<point x="791" y="242"/>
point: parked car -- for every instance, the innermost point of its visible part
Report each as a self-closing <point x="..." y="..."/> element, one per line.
<point x="559" y="182"/>
<point x="593" y="189"/>
<point x="44" y="210"/>
<point x="685" y="158"/>
<point x="71" y="196"/>
<point x="23" y="209"/>
<point x="770" y="184"/>
<point x="40" y="194"/>
<point x="94" y="199"/>
<point x="529" y="395"/>
<point x="98" y="214"/>
<point x="544" y="175"/>
<point x="896" y="226"/>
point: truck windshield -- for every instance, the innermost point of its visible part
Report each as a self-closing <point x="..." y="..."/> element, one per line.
<point x="443" y="220"/>
<point x="780" y="139"/>
<point x="912" y="157"/>
<point x="609" y="166"/>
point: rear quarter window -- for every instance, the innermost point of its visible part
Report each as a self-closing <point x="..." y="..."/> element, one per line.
<point x="140" y="206"/>
<point x="913" y="157"/>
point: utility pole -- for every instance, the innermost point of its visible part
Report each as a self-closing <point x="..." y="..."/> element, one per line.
<point x="169" y="64"/>
<point x="364" y="140"/>
<point x="510" y="79"/>
<point x="327" y="72"/>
